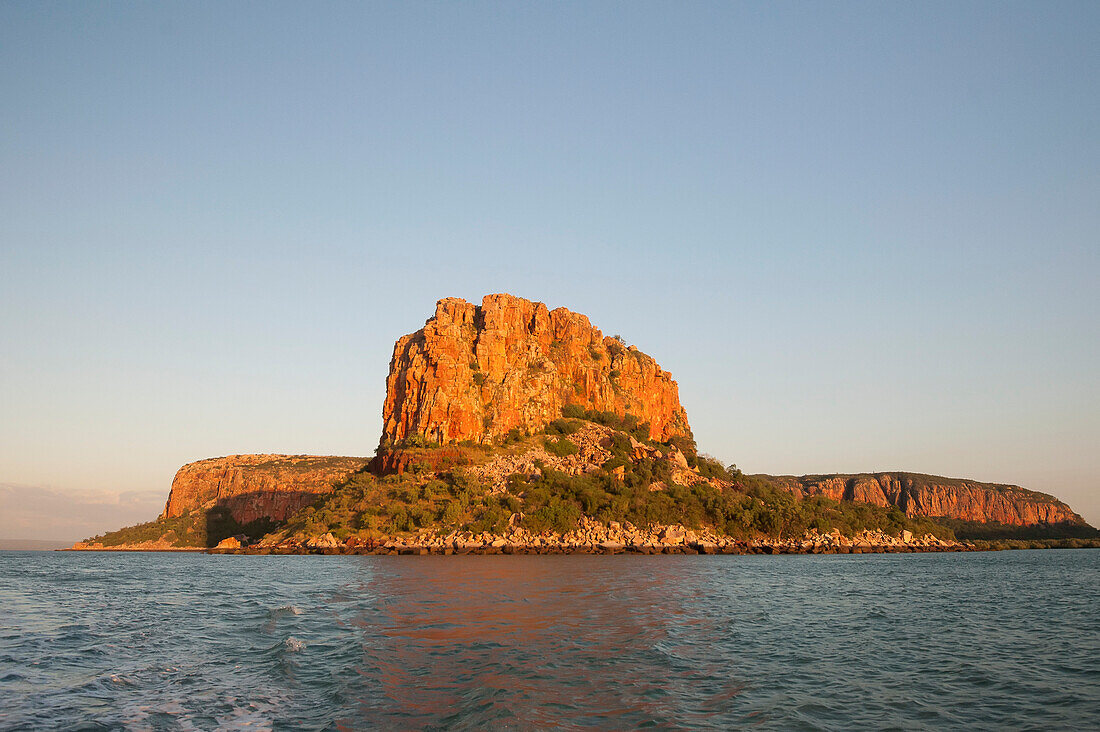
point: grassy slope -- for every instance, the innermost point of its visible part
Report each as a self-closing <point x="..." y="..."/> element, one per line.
<point x="195" y="529"/>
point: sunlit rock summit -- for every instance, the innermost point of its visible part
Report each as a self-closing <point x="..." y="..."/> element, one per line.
<point x="475" y="372"/>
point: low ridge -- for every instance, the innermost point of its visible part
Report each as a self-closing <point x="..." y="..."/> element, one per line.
<point x="933" y="496"/>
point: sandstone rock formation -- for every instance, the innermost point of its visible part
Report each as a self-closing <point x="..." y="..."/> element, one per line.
<point x="927" y="495"/>
<point x="256" y="486"/>
<point x="475" y="372"/>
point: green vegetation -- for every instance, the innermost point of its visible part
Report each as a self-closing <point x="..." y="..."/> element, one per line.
<point x="419" y="440"/>
<point x="439" y="493"/>
<point x="187" y="530"/>
<point x="623" y="423"/>
<point x="367" y="506"/>
<point x="563" y="427"/>
<point x="644" y="494"/>
<point x="556" y="501"/>
<point x="194" y="529"/>
<point x="1002" y="544"/>
<point x="561" y="446"/>
<point x="976" y="530"/>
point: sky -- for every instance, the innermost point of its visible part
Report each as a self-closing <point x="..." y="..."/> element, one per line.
<point x="862" y="236"/>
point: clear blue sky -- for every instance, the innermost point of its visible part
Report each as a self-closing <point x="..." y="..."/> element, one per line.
<point x="862" y="236"/>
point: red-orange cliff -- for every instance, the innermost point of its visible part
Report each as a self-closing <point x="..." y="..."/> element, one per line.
<point x="474" y="372"/>
<point x="252" y="487"/>
<point x="933" y="496"/>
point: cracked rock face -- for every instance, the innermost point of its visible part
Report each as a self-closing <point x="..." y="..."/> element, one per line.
<point x="474" y="372"/>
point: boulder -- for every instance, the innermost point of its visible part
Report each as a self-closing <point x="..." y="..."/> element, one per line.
<point x="324" y="541"/>
<point x="672" y="534"/>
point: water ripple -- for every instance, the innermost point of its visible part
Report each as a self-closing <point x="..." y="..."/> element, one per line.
<point x="152" y="641"/>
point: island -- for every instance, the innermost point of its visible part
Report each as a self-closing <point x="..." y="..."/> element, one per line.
<point x="511" y="428"/>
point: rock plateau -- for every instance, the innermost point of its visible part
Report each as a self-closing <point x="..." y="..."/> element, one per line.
<point x="255" y="487"/>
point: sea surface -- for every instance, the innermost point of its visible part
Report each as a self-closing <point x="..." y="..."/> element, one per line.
<point x="1007" y="640"/>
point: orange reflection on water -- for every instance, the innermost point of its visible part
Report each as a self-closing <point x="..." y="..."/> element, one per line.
<point x="532" y="642"/>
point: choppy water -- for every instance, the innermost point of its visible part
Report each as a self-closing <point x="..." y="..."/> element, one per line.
<point x="1006" y="640"/>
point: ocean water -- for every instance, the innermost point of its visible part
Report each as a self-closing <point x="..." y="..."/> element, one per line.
<point x="1007" y="640"/>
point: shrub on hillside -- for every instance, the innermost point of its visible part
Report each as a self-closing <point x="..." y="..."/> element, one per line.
<point x="624" y="423"/>
<point x="562" y="427"/>
<point x="560" y="447"/>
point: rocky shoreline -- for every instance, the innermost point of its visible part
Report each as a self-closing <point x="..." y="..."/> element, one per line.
<point x="84" y="546"/>
<point x="595" y="538"/>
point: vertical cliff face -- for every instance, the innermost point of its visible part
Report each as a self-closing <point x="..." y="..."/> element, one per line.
<point x="475" y="372"/>
<point x="252" y="487"/>
<point x="932" y="496"/>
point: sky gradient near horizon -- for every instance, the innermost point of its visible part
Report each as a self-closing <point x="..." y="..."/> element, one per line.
<point x="862" y="236"/>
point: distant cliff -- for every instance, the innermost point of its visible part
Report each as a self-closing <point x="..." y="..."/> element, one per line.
<point x="932" y="496"/>
<point x="255" y="487"/>
<point x="476" y="372"/>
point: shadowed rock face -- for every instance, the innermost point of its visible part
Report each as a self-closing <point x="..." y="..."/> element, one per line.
<point x="926" y="495"/>
<point x="257" y="486"/>
<point x="475" y="372"/>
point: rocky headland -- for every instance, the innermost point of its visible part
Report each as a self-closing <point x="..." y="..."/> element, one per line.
<point x="252" y="487"/>
<point x="512" y="428"/>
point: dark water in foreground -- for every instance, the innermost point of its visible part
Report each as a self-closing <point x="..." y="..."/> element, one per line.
<point x="1006" y="640"/>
